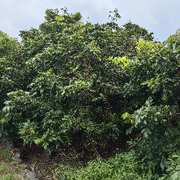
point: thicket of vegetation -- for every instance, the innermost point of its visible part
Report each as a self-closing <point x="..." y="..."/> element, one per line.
<point x="95" y="83"/>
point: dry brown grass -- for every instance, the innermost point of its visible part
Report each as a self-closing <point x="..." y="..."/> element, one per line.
<point x="9" y="170"/>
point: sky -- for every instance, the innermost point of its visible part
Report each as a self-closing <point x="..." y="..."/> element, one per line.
<point x="158" y="16"/>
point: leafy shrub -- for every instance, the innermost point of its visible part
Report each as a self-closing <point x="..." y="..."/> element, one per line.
<point x="173" y="167"/>
<point x="68" y="81"/>
<point x="8" y="47"/>
<point x="123" y="166"/>
<point x="156" y="140"/>
<point x="68" y="78"/>
<point x="154" y="80"/>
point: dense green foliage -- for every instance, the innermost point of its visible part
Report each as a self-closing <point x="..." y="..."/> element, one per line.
<point x="8" y="48"/>
<point x="70" y="81"/>
<point x="120" y="167"/>
<point x="97" y="83"/>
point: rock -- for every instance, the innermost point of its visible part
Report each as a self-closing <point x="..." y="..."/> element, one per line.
<point x="29" y="175"/>
<point x="16" y="157"/>
<point x="17" y="154"/>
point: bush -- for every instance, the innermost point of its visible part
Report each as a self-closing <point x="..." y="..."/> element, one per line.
<point x="70" y="78"/>
<point x="123" y="166"/>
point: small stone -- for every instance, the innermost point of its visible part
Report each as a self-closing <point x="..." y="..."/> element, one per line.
<point x="17" y="159"/>
<point x="17" y="155"/>
<point x="29" y="175"/>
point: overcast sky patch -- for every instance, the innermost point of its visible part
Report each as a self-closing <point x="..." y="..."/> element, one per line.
<point x="158" y="16"/>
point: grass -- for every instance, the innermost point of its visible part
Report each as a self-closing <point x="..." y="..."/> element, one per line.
<point x="65" y="165"/>
<point x="9" y="170"/>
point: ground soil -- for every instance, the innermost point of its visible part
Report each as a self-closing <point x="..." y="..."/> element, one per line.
<point x="77" y="154"/>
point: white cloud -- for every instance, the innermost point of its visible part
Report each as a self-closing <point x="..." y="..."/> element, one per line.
<point x="158" y="16"/>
